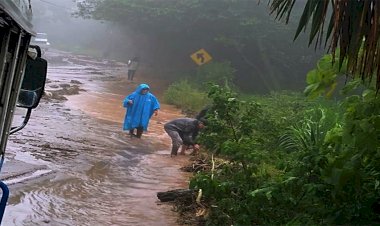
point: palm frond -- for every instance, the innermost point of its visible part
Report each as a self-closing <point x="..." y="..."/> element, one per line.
<point x="353" y="27"/>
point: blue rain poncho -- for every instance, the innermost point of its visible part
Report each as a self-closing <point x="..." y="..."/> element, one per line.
<point x="141" y="110"/>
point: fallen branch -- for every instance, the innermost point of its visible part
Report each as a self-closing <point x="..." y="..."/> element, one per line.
<point x="175" y="194"/>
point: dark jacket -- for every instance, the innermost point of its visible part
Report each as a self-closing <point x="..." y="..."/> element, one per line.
<point x="186" y="127"/>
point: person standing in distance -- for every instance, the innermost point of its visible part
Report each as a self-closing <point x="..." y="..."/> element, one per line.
<point x="140" y="105"/>
<point x="133" y="64"/>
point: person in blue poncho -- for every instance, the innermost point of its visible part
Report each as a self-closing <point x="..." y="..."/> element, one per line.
<point x="140" y="105"/>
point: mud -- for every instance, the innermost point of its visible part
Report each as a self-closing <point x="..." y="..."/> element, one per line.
<point x="73" y="165"/>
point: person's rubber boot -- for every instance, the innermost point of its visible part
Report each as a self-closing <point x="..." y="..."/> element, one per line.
<point x="131" y="133"/>
<point x="139" y="132"/>
<point x="174" y="152"/>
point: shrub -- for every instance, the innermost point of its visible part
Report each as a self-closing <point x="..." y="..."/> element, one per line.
<point x="185" y="96"/>
<point x="220" y="73"/>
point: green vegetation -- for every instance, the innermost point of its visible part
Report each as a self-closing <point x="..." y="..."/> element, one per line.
<point x="294" y="160"/>
<point x="289" y="159"/>
<point x="185" y="96"/>
<point x="220" y="73"/>
<point x="351" y="28"/>
<point x="191" y="94"/>
<point x="299" y="161"/>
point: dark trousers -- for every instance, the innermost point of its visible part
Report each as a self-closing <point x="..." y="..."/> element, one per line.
<point x="131" y="74"/>
<point x="176" y="140"/>
<point x="139" y="132"/>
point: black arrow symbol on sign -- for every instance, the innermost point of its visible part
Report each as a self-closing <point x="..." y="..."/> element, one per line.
<point x="201" y="57"/>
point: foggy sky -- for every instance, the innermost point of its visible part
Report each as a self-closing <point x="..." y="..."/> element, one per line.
<point x="66" y="32"/>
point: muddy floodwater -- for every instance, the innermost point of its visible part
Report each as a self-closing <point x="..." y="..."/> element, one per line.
<point x="73" y="165"/>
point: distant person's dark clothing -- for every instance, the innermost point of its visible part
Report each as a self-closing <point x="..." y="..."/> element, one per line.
<point x="132" y="67"/>
<point x="182" y="131"/>
<point x="35" y="74"/>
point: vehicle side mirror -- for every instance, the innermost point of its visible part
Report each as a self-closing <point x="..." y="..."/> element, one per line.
<point x="33" y="84"/>
<point x="27" y="99"/>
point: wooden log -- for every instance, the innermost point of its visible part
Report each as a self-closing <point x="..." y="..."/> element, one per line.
<point x="174" y="194"/>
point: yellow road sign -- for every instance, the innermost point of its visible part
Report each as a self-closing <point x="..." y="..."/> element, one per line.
<point x="201" y="57"/>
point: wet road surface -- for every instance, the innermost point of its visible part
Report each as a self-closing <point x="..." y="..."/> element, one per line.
<point x="86" y="171"/>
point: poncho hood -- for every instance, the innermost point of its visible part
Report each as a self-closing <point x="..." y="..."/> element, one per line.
<point x="141" y="87"/>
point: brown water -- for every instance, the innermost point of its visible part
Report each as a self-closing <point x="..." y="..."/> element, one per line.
<point x="99" y="175"/>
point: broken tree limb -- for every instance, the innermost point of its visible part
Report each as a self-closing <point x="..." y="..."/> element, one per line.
<point x="175" y="194"/>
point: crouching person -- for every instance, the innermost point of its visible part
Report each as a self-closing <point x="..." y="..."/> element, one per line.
<point x="183" y="132"/>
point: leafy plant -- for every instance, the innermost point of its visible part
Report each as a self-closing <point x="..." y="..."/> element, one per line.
<point x="220" y="73"/>
<point x="348" y="29"/>
<point x="185" y="96"/>
<point x="323" y="79"/>
<point x="310" y="133"/>
<point x="354" y="171"/>
<point x="325" y="169"/>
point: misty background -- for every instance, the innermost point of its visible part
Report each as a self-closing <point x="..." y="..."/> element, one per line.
<point x="78" y="35"/>
<point x="268" y="59"/>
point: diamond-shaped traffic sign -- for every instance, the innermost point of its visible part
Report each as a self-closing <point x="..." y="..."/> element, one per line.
<point x="201" y="57"/>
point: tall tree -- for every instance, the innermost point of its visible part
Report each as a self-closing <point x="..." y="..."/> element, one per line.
<point x="242" y="32"/>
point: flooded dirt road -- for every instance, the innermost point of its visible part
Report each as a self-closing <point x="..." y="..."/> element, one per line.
<point x="73" y="165"/>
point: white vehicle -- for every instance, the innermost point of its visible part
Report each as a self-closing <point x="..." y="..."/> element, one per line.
<point x="42" y="41"/>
